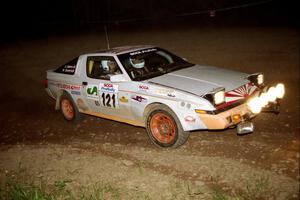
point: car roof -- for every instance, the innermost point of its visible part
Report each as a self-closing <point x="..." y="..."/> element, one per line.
<point x="125" y="49"/>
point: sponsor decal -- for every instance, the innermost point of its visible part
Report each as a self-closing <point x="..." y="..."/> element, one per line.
<point x="92" y="91"/>
<point x="189" y="119"/>
<point x="239" y="93"/>
<point x="109" y="95"/>
<point x="97" y="103"/>
<point x="67" y="86"/>
<point x="81" y="104"/>
<point x="143" y="87"/>
<point x="123" y="99"/>
<point x="142" y="51"/>
<point x="108" y="87"/>
<point x="75" y="92"/>
<point x="139" y="98"/>
<point x="165" y="91"/>
<point x="69" y="69"/>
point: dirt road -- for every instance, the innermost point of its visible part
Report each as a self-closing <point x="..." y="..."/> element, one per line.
<point x="262" y="165"/>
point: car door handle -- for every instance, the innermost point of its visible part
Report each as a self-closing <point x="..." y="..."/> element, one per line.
<point x="84" y="83"/>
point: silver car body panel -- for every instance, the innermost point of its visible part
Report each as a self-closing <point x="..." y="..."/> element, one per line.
<point x="201" y="80"/>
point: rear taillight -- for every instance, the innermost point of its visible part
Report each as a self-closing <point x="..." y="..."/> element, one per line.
<point x="45" y="82"/>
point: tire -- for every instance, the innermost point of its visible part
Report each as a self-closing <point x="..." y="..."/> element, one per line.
<point x="68" y="108"/>
<point x="164" y="129"/>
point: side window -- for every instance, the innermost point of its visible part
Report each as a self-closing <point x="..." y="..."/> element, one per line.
<point x="101" y="67"/>
<point x="68" y="68"/>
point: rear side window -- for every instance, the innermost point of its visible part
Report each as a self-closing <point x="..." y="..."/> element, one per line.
<point x="68" y="68"/>
<point x="101" y="67"/>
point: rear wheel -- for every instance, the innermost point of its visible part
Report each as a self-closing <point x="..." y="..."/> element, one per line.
<point x="68" y="108"/>
<point x="164" y="128"/>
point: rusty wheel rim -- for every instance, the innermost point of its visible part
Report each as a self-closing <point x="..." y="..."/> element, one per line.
<point x="163" y="128"/>
<point x="67" y="109"/>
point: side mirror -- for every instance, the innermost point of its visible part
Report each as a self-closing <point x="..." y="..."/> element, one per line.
<point x="118" y="78"/>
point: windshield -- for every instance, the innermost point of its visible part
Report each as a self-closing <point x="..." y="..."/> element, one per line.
<point x="149" y="63"/>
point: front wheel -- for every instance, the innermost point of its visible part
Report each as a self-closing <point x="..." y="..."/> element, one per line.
<point x="68" y="108"/>
<point x="164" y="128"/>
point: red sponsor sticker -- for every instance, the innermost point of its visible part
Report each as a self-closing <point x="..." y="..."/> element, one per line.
<point x="108" y="85"/>
<point x="68" y="87"/>
<point x="143" y="87"/>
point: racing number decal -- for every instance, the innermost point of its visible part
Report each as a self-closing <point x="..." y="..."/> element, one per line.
<point x="109" y="100"/>
<point x="109" y="95"/>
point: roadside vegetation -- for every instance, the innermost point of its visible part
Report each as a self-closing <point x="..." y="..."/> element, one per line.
<point x="20" y="185"/>
<point x="257" y="189"/>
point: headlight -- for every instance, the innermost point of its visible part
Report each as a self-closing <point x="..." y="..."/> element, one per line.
<point x="216" y="96"/>
<point x="255" y="105"/>
<point x="280" y="90"/>
<point x="264" y="99"/>
<point x="219" y="97"/>
<point x="271" y="94"/>
<point x="260" y="79"/>
<point x="257" y="79"/>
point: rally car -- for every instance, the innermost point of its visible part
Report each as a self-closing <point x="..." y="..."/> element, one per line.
<point x="151" y="87"/>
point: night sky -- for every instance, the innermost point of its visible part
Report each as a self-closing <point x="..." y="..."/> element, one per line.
<point x="34" y="17"/>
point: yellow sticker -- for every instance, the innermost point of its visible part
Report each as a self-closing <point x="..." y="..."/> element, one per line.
<point x="123" y="99"/>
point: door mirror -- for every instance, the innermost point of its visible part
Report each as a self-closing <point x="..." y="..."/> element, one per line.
<point x="118" y="78"/>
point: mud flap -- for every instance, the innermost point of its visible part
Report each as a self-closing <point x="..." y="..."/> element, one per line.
<point x="245" y="127"/>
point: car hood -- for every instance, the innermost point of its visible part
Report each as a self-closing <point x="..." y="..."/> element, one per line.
<point x="201" y="80"/>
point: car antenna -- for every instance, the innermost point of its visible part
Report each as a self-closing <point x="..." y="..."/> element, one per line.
<point x="106" y="36"/>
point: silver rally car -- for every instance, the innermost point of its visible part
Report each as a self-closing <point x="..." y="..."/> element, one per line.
<point x="150" y="87"/>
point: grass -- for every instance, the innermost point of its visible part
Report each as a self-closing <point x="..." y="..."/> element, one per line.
<point x="21" y="185"/>
<point x="30" y="191"/>
<point x="19" y="191"/>
<point x="184" y="190"/>
<point x="256" y="189"/>
<point x="100" y="191"/>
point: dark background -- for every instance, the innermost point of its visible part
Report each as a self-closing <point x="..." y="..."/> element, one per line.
<point x="35" y="18"/>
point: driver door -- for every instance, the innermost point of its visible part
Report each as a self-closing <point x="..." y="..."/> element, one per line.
<point x="101" y="95"/>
